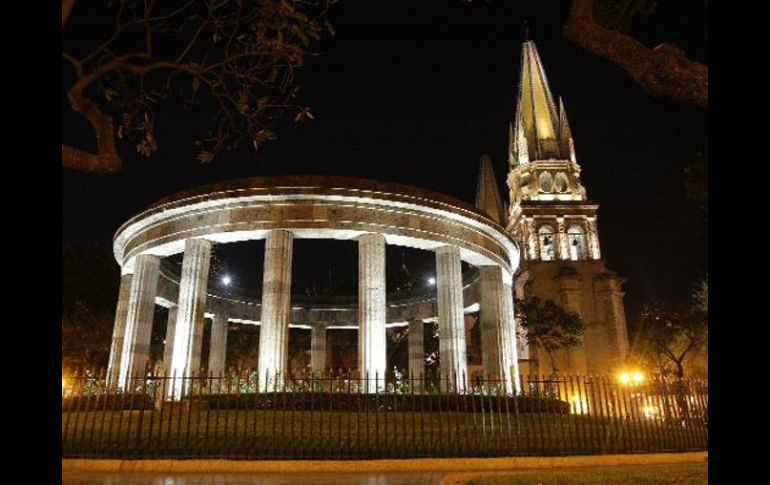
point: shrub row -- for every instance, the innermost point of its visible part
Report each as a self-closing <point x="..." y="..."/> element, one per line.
<point x="384" y="402"/>
<point x="110" y="402"/>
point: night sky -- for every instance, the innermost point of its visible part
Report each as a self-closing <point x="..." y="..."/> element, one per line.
<point x="416" y="92"/>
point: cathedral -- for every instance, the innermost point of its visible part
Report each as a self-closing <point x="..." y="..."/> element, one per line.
<point x="555" y="223"/>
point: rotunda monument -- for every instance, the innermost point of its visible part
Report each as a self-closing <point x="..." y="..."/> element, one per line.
<point x="279" y="210"/>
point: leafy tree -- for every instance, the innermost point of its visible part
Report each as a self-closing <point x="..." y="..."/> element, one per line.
<point x="236" y="59"/>
<point x="243" y="346"/>
<point x="90" y="281"/>
<point x="549" y="327"/>
<point x="664" y="71"/>
<point x="701" y="297"/>
<point x="672" y="333"/>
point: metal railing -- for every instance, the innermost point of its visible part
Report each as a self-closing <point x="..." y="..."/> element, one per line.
<point x="241" y="416"/>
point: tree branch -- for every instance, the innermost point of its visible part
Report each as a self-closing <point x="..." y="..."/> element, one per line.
<point x="664" y="71"/>
<point x="66" y="9"/>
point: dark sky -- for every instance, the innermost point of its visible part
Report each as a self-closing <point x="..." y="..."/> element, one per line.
<point x="416" y="92"/>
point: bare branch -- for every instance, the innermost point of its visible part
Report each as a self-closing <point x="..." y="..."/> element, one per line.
<point x="246" y="66"/>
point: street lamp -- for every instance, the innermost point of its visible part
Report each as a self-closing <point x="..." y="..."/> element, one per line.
<point x="431" y="281"/>
<point x="226" y="280"/>
<point x="633" y="378"/>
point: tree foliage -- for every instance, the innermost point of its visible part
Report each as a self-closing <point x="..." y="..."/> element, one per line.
<point x="243" y="346"/>
<point x="236" y="58"/>
<point x="549" y="327"/>
<point x="671" y="333"/>
<point x="90" y="280"/>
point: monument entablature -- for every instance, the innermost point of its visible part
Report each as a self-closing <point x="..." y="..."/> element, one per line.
<point x="316" y="207"/>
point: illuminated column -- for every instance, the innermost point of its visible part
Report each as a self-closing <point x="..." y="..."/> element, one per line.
<point x="499" y="354"/>
<point x="139" y="315"/>
<point x="217" y="348"/>
<point x="168" y="346"/>
<point x="593" y="238"/>
<point x="451" y="321"/>
<point x="510" y="360"/>
<point x="491" y="318"/>
<point x="416" y="352"/>
<point x="371" y="310"/>
<point x="118" y="331"/>
<point x="318" y="348"/>
<point x="532" y="239"/>
<point x="185" y="359"/>
<point x="561" y="240"/>
<point x="276" y="309"/>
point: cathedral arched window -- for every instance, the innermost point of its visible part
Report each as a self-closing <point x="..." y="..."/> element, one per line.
<point x="576" y="240"/>
<point x="561" y="182"/>
<point x="546" y="238"/>
<point x="546" y="182"/>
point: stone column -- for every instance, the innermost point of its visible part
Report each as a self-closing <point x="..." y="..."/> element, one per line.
<point x="168" y="347"/>
<point x="451" y="321"/>
<point x="318" y="349"/>
<point x="498" y="333"/>
<point x="416" y="353"/>
<point x="592" y="237"/>
<point x="562" y="244"/>
<point x="511" y="373"/>
<point x="276" y="309"/>
<point x="532" y="238"/>
<point x="139" y="316"/>
<point x="491" y="318"/>
<point x="118" y="332"/>
<point x="185" y="359"/>
<point x="217" y="350"/>
<point x="371" y="310"/>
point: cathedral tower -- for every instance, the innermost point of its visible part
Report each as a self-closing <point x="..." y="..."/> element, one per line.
<point x="555" y="224"/>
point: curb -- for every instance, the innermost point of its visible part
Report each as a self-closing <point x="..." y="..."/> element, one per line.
<point x="375" y="466"/>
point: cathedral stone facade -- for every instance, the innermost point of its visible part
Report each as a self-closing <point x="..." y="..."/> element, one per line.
<point x="555" y="224"/>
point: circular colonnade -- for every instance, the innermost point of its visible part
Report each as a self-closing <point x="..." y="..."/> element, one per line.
<point x="279" y="210"/>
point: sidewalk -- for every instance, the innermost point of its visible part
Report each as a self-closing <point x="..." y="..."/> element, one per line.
<point x="417" y="465"/>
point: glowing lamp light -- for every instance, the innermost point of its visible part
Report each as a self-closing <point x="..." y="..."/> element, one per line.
<point x="431" y="281"/>
<point x="578" y="404"/>
<point x="226" y="280"/>
<point x="63" y="383"/>
<point x="649" y="412"/>
<point x="633" y="378"/>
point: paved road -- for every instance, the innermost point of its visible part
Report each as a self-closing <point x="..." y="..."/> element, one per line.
<point x="71" y="478"/>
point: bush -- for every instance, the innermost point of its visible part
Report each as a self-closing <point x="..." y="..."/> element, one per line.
<point x="384" y="402"/>
<point x="113" y="402"/>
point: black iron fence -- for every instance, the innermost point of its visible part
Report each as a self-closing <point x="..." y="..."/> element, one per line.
<point x="240" y="416"/>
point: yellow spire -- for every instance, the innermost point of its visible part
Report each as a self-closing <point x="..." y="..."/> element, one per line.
<point x="538" y="132"/>
<point x="487" y="194"/>
<point x="565" y="134"/>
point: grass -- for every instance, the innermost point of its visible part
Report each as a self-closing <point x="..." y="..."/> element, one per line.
<point x="679" y="474"/>
<point x="336" y="434"/>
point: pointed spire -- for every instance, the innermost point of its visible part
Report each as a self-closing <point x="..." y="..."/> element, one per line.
<point x="565" y="133"/>
<point x="487" y="193"/>
<point x="537" y="121"/>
